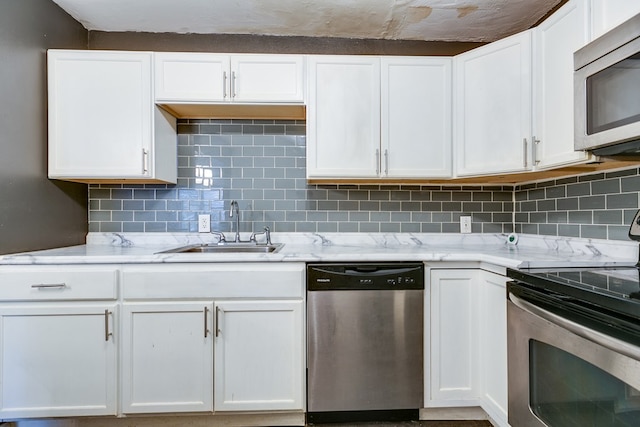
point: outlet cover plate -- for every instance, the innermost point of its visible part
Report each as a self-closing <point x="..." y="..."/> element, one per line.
<point x="204" y="223"/>
<point x="465" y="224"/>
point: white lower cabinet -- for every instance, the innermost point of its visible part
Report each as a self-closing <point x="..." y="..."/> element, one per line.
<point x="58" y="341"/>
<point x="58" y="360"/>
<point x="493" y="345"/>
<point x="453" y="376"/>
<point x="467" y="337"/>
<point x="167" y="363"/>
<point x="258" y="355"/>
<point x="213" y="338"/>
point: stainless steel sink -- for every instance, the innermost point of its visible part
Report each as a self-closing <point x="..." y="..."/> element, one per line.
<point x="215" y="248"/>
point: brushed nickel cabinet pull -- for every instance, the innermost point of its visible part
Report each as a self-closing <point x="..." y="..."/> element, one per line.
<point x="145" y="160"/>
<point x="217" y="326"/>
<point x="233" y="85"/>
<point x="386" y="162"/>
<point x="224" y="85"/>
<point x="107" y="334"/>
<point x="49" y="286"/>
<point x="524" y="151"/>
<point x="206" y="315"/>
<point x="377" y="162"/>
<point x="536" y="143"/>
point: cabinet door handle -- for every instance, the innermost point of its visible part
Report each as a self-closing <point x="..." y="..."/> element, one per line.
<point x="377" y="162"/>
<point x="233" y="85"/>
<point x="386" y="162"/>
<point x="217" y="327"/>
<point x="206" y="321"/>
<point x="49" y="286"/>
<point x="224" y="85"/>
<point x="145" y="160"/>
<point x="536" y="143"/>
<point x="524" y="151"/>
<point x="107" y="333"/>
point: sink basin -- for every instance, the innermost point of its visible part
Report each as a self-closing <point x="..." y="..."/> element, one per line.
<point x="215" y="248"/>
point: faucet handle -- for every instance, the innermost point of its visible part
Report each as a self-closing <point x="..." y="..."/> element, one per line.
<point x="221" y="238"/>
<point x="267" y="235"/>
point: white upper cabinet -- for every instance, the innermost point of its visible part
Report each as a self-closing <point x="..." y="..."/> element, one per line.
<point x="206" y="77"/>
<point x="607" y="14"/>
<point x="416" y="117"/>
<point x="493" y="107"/>
<point x="103" y="125"/>
<point x="195" y="77"/>
<point x="379" y="117"/>
<point x="555" y="40"/>
<point x="267" y="78"/>
<point x="343" y="117"/>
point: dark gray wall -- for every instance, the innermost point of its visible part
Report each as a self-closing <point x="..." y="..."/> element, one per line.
<point x="240" y="43"/>
<point x="35" y="213"/>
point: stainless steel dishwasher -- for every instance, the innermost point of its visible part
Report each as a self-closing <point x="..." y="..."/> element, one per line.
<point x="365" y="341"/>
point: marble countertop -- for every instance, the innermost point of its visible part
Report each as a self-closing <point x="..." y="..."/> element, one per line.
<point x="530" y="252"/>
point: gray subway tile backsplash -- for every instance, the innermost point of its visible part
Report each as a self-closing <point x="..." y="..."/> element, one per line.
<point x="261" y="163"/>
<point x="598" y="206"/>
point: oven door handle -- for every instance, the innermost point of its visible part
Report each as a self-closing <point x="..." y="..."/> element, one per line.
<point x="613" y="344"/>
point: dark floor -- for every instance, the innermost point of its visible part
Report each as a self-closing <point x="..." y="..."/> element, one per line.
<point x="411" y="424"/>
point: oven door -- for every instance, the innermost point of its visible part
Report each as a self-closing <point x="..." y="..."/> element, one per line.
<point x="563" y="374"/>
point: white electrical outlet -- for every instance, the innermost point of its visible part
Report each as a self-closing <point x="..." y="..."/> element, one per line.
<point x="465" y="224"/>
<point x="204" y="223"/>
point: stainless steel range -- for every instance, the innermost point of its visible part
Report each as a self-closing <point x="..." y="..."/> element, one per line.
<point x="574" y="346"/>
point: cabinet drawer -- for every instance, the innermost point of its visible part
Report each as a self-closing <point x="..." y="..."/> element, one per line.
<point x="55" y="283"/>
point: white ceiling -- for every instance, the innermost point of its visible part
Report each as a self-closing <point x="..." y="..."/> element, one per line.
<point x="442" y="20"/>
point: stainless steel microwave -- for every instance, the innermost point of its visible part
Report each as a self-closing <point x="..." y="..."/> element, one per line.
<point x="607" y="92"/>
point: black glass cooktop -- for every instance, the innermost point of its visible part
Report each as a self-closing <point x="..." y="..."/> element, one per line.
<point x="615" y="288"/>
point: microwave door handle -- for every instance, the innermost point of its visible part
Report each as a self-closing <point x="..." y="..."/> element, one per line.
<point x="613" y="344"/>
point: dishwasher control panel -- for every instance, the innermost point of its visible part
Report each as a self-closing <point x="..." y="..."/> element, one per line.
<point x="365" y="276"/>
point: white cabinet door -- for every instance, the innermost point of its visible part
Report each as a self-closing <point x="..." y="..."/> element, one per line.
<point x="259" y="356"/>
<point x="416" y="117"/>
<point x="167" y="357"/>
<point x="607" y="14"/>
<point x="493" y="107"/>
<point x="555" y="40"/>
<point x="58" y="360"/>
<point x="191" y="77"/>
<point x="102" y="122"/>
<point x="343" y="117"/>
<point x="493" y="345"/>
<point x="267" y="78"/>
<point x="454" y="344"/>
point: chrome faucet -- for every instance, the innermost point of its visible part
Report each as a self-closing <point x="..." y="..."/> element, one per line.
<point x="236" y="208"/>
